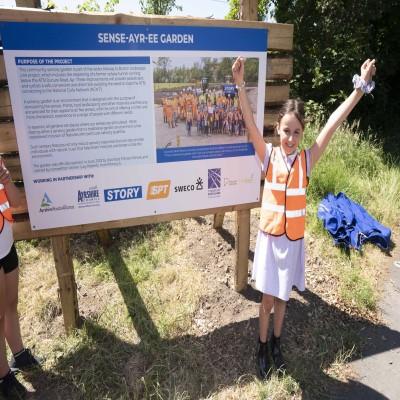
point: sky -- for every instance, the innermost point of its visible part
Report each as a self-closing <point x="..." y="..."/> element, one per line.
<point x="195" y="8"/>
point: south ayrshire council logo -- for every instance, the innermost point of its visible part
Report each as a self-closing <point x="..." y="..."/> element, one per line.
<point x="89" y="197"/>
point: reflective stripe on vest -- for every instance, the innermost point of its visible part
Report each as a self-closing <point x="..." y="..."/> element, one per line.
<point x="283" y="207"/>
<point x="5" y="210"/>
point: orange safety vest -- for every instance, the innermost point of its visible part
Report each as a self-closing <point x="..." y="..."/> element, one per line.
<point x="5" y="210"/>
<point x="283" y="207"/>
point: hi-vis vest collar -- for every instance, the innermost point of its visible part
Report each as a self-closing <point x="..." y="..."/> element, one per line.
<point x="283" y="207"/>
<point x="5" y="211"/>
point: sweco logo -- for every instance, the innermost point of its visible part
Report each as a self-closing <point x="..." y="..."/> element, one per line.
<point x="158" y="190"/>
<point x="198" y="185"/>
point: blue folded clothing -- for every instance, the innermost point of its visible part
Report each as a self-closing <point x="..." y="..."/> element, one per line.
<point x="350" y="224"/>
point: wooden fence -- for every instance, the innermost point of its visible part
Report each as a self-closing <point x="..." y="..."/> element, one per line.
<point x="279" y="71"/>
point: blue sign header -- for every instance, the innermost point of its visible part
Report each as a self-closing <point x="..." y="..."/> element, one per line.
<point x="45" y="36"/>
<point x="57" y="61"/>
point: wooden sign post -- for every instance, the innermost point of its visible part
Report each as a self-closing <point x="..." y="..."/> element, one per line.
<point x="279" y="70"/>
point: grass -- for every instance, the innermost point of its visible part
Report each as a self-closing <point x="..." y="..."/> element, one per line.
<point x="132" y="285"/>
<point x="139" y="299"/>
<point x="171" y="86"/>
<point x="356" y="165"/>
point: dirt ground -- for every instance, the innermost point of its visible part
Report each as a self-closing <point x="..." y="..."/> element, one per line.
<point x="321" y="333"/>
<point x="216" y="355"/>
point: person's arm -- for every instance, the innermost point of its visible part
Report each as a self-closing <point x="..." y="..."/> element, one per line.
<point x="340" y="114"/>
<point x="13" y="193"/>
<point x="254" y="134"/>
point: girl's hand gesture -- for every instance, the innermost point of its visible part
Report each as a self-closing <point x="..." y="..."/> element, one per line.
<point x="238" y="71"/>
<point x="4" y="173"/>
<point x="368" y="70"/>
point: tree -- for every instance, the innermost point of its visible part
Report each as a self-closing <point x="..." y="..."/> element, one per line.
<point x="158" y="7"/>
<point x="331" y="39"/>
<point x="93" y="6"/>
<point x="234" y="9"/>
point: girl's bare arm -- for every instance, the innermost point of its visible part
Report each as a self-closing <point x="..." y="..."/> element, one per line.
<point x="13" y="193"/>
<point x="254" y="134"/>
<point x="340" y="114"/>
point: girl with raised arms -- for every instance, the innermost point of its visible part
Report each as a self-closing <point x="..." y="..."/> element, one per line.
<point x="279" y="255"/>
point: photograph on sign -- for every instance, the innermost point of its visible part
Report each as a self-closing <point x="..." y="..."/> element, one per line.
<point x="196" y="102"/>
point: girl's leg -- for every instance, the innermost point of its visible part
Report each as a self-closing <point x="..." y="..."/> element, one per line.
<point x="11" y="325"/>
<point x="4" y="368"/>
<point x="263" y="363"/>
<point x="276" y="353"/>
<point x="279" y="315"/>
<point x="9" y="385"/>
<point x="266" y="306"/>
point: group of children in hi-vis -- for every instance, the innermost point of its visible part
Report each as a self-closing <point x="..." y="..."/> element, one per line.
<point x="279" y="255"/>
<point x="210" y="112"/>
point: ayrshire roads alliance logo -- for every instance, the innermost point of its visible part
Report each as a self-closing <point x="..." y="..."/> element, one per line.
<point x="214" y="182"/>
<point x="46" y="205"/>
<point x="46" y="201"/>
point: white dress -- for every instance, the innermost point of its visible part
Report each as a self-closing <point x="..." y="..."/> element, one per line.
<point x="279" y="263"/>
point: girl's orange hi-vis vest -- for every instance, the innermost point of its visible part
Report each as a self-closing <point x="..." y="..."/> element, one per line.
<point x="283" y="207"/>
<point x="5" y="210"/>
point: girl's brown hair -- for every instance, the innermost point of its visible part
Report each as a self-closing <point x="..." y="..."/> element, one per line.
<point x="295" y="107"/>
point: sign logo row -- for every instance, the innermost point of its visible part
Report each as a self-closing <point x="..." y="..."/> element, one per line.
<point x="155" y="190"/>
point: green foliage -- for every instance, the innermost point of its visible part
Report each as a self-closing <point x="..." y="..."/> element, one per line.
<point x="358" y="167"/>
<point x="332" y="39"/>
<point x="216" y="70"/>
<point x="234" y="9"/>
<point x="93" y="6"/>
<point x="110" y="5"/>
<point x="89" y="6"/>
<point x="49" y="5"/>
<point x="356" y="289"/>
<point x="158" y="7"/>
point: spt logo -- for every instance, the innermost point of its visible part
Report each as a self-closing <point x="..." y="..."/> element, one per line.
<point x="124" y="193"/>
<point x="158" y="190"/>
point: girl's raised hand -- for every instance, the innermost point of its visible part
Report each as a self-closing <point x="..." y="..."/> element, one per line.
<point x="238" y="71"/>
<point x="368" y="70"/>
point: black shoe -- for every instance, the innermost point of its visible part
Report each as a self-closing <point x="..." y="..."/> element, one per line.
<point x="12" y="388"/>
<point x="24" y="361"/>
<point x="263" y="360"/>
<point x="276" y="354"/>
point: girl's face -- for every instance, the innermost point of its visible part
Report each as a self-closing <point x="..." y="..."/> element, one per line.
<point x="290" y="132"/>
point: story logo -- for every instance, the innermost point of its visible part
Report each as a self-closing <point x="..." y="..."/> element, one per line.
<point x="158" y="190"/>
<point x="123" y="193"/>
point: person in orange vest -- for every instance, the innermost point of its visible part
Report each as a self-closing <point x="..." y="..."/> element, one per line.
<point x="279" y="255"/>
<point x="10" y="331"/>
